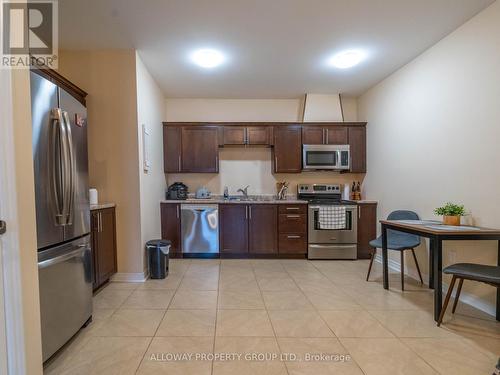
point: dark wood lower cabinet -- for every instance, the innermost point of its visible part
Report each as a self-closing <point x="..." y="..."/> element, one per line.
<point x="103" y="223"/>
<point x="171" y="227"/>
<point x="292" y="229"/>
<point x="367" y="228"/>
<point x="233" y="229"/>
<point x="262" y="229"/>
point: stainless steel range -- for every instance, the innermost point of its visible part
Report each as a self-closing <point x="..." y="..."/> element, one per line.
<point x="332" y="222"/>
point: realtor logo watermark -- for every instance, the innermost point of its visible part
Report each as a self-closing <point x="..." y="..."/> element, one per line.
<point x="29" y="34"/>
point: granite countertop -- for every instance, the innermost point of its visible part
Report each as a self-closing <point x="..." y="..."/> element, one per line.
<point x="101" y="206"/>
<point x="366" y="201"/>
<point x="266" y="199"/>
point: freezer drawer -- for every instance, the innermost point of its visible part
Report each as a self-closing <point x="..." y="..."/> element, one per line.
<point x="200" y="228"/>
<point x="65" y="278"/>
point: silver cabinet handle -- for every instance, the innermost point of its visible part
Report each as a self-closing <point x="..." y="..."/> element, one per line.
<point x="177" y="211"/>
<point x="292" y="208"/>
<point x="179" y="163"/>
<point x="359" y="212"/>
<point x="275" y="163"/>
<point x="245" y="136"/>
<point x="293" y="237"/>
<point x="246" y="212"/>
<point x="326" y="137"/>
<point x="100" y="221"/>
<point x="250" y="212"/>
<point x="293" y="216"/>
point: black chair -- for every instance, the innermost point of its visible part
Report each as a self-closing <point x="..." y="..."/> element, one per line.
<point x="468" y="271"/>
<point x="398" y="241"/>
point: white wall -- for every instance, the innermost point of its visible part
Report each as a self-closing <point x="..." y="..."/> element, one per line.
<point x="240" y="166"/>
<point x="109" y="78"/>
<point x="151" y="112"/>
<point x="433" y="135"/>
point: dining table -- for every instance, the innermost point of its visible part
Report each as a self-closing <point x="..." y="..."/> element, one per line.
<point x="437" y="232"/>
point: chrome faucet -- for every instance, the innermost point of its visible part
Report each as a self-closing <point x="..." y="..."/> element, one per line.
<point x="244" y="191"/>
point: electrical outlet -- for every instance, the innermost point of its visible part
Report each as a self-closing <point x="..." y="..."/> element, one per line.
<point x="452" y="256"/>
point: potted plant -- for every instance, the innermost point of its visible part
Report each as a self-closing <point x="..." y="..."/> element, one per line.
<point x="451" y="213"/>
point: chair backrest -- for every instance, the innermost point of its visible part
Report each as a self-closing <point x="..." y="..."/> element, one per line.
<point x="404" y="215"/>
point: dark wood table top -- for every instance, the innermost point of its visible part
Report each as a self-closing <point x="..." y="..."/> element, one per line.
<point x="437" y="228"/>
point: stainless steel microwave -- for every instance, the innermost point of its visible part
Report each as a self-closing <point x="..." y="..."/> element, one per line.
<point x="333" y="157"/>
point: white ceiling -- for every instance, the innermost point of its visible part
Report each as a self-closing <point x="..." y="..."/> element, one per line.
<point x="275" y="48"/>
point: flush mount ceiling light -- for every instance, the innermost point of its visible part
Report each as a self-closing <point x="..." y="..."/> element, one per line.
<point x="207" y="58"/>
<point x="347" y="59"/>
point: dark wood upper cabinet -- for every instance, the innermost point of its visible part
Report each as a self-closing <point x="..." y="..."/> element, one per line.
<point x="193" y="147"/>
<point x="234" y="135"/>
<point x="337" y="135"/>
<point x="171" y="226"/>
<point x="172" y="149"/>
<point x="313" y="135"/>
<point x="263" y="229"/>
<point x="103" y="235"/>
<point x="233" y="230"/>
<point x="357" y="143"/>
<point x="246" y="135"/>
<point x="367" y="228"/>
<point x="259" y="135"/>
<point x="287" y="149"/>
<point x="324" y="135"/>
<point x="200" y="149"/>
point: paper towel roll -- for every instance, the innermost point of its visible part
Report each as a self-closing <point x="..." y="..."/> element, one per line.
<point x="93" y="196"/>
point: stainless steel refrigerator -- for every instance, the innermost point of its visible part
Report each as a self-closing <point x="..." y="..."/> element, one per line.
<point x="62" y="212"/>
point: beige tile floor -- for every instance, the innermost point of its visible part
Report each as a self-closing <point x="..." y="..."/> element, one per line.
<point x="276" y="314"/>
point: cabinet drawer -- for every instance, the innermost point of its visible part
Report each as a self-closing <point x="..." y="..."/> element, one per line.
<point x="292" y="223"/>
<point x="292" y="208"/>
<point x="292" y="243"/>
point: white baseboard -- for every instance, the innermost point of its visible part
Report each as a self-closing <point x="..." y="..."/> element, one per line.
<point x="126" y="277"/>
<point x="469" y="299"/>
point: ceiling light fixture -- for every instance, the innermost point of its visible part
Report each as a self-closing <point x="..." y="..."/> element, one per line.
<point x="347" y="59"/>
<point x="207" y="58"/>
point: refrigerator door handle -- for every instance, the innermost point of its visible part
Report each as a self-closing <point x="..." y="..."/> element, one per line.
<point x="55" y="165"/>
<point x="69" y="171"/>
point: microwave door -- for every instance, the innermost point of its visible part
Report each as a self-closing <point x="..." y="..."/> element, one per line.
<point x="320" y="159"/>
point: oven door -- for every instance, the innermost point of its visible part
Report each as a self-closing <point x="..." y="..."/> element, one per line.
<point x="348" y="235"/>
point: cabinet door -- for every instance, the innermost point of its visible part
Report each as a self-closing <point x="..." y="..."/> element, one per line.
<point x="171" y="226"/>
<point x="172" y="149"/>
<point x="258" y="135"/>
<point x="367" y="229"/>
<point x="234" y="135"/>
<point x="336" y="135"/>
<point x="357" y="143"/>
<point x="313" y="135"/>
<point x="106" y="245"/>
<point x="94" y="228"/>
<point x="233" y="231"/>
<point x="263" y="229"/>
<point x="200" y="149"/>
<point x="287" y="149"/>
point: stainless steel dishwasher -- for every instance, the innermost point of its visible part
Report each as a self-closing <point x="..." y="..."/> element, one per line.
<point x="200" y="228"/>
